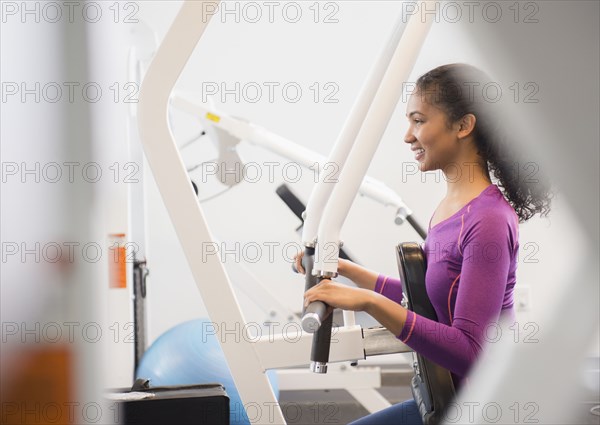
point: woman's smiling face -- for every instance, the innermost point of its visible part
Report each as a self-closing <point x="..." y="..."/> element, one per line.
<point x="433" y="140"/>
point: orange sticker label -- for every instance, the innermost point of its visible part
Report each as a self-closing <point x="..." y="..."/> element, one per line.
<point x="117" y="267"/>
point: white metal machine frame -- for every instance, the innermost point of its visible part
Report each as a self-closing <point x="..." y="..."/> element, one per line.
<point x="241" y="130"/>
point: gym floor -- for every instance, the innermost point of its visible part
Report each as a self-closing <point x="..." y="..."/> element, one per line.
<point x="339" y="407"/>
<point x="331" y="406"/>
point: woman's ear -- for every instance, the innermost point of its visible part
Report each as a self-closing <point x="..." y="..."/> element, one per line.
<point x="466" y="126"/>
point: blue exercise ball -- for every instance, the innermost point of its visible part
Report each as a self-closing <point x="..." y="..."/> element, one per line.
<point x="189" y="354"/>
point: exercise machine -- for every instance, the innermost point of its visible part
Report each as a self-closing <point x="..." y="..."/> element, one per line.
<point x="248" y="361"/>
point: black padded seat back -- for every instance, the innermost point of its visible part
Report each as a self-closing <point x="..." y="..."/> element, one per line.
<point x="432" y="385"/>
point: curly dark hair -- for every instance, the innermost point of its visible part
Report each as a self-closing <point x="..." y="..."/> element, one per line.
<point x="457" y="90"/>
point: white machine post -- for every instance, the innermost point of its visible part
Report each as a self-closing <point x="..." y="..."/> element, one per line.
<point x="186" y="213"/>
<point x="322" y="190"/>
<point x="327" y="248"/>
<point x="367" y="141"/>
<point x="312" y="316"/>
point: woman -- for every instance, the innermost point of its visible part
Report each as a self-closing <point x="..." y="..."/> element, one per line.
<point x="472" y="242"/>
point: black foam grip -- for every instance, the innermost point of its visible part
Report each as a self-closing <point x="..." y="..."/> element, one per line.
<point x="308" y="262"/>
<point x="317" y="307"/>
<point x="322" y="341"/>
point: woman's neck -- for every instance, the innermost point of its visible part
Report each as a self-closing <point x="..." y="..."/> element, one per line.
<point x="463" y="180"/>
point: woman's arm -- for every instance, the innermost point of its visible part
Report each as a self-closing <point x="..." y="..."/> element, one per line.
<point x="387" y="286"/>
<point x="387" y="312"/>
<point x="361" y="276"/>
<point x="390" y="314"/>
<point x="364" y="278"/>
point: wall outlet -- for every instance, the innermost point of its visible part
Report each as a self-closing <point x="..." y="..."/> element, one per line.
<point x="522" y="297"/>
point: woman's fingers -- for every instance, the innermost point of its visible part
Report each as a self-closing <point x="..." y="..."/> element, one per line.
<point x="319" y="288"/>
<point x="297" y="265"/>
<point x="338" y="295"/>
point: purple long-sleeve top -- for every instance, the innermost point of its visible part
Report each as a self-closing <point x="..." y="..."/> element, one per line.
<point x="471" y="264"/>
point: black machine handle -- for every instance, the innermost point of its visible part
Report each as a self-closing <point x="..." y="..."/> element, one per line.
<point x="316" y="318"/>
<point x="319" y="354"/>
<point x="315" y="313"/>
<point x="313" y="316"/>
